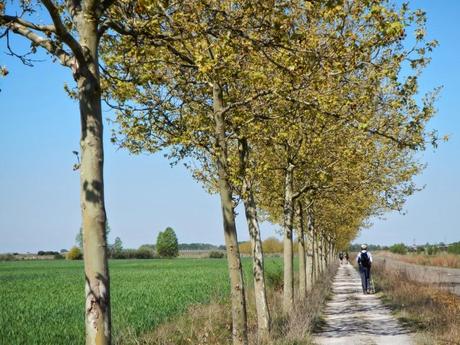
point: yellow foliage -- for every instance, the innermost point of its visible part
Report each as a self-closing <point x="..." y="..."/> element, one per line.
<point x="74" y="254"/>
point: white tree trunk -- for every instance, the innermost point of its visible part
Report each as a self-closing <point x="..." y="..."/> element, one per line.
<point x="301" y="253"/>
<point x="97" y="282"/>
<point x="288" y="291"/>
<point x="239" y="316"/>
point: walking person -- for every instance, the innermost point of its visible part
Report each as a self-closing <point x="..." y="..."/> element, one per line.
<point x="364" y="260"/>
<point x="341" y="257"/>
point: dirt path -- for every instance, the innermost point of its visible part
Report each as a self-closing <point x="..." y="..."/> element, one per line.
<point x="354" y="318"/>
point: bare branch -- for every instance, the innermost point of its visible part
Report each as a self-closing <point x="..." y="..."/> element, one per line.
<point x="49" y="45"/>
<point x="13" y="19"/>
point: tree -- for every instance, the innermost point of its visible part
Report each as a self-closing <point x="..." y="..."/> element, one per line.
<point x="117" y="247"/>
<point x="272" y="245"/>
<point x="272" y="105"/>
<point x="74" y="254"/>
<point x="79" y="238"/>
<point x="72" y="38"/>
<point x="167" y="244"/>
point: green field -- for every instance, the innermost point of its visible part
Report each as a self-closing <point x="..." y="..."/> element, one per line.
<point x="42" y="302"/>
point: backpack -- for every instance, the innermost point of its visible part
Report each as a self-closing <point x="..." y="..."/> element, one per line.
<point x="365" y="260"/>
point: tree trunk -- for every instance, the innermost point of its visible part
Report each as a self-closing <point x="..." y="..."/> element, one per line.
<point x="317" y="256"/>
<point x="324" y="252"/>
<point x="263" y="313"/>
<point x="320" y="254"/>
<point x="308" y="262"/>
<point x="312" y="246"/>
<point x="239" y="317"/>
<point x="302" y="251"/>
<point x="288" y="291"/>
<point x="97" y="287"/>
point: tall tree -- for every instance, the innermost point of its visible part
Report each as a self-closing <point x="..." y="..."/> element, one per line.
<point x="199" y="73"/>
<point x="72" y="38"/>
<point x="167" y="244"/>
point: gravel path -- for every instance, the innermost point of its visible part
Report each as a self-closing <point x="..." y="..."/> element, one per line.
<point x="354" y="318"/>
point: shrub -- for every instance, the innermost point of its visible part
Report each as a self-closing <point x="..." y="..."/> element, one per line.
<point x="145" y="253"/>
<point x="148" y="246"/>
<point x="46" y="252"/>
<point x="58" y="257"/>
<point x="454" y="248"/>
<point x="216" y="255"/>
<point x="167" y="245"/>
<point x="398" y="248"/>
<point x="272" y="245"/>
<point x="431" y="249"/>
<point x="6" y="257"/>
<point x="74" y="254"/>
<point x="141" y="253"/>
<point x="274" y="277"/>
<point x="245" y="247"/>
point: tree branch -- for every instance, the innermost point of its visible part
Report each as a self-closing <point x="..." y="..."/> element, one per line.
<point x="245" y="101"/>
<point x="4" y="19"/>
<point x="50" y="46"/>
<point x="62" y="32"/>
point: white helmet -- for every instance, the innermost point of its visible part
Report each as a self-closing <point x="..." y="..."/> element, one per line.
<point x="363" y="246"/>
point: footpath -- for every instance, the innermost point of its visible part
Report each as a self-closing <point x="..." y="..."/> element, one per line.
<point x="354" y="318"/>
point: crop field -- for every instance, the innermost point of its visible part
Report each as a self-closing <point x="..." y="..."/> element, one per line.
<point x="41" y="302"/>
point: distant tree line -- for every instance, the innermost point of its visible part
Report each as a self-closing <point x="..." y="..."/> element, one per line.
<point x="401" y="248"/>
<point x="200" y="246"/>
<point x="167" y="246"/>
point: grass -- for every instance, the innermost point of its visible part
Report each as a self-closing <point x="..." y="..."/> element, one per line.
<point x="41" y="302"/>
<point x="441" y="259"/>
<point x="211" y="324"/>
<point x="433" y="314"/>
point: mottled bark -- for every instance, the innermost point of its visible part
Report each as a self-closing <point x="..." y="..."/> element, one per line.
<point x="97" y="287"/>
<point x="312" y="246"/>
<point x="317" y="255"/>
<point x="263" y="313"/>
<point x="320" y="254"/>
<point x="239" y="316"/>
<point x="288" y="288"/>
<point x="308" y="262"/>
<point x="301" y="252"/>
<point x="80" y="53"/>
<point x="323" y="253"/>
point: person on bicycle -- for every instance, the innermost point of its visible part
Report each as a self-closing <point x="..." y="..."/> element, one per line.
<point x="364" y="260"/>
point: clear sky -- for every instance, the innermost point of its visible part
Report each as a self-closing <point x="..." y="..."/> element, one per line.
<point x="39" y="191"/>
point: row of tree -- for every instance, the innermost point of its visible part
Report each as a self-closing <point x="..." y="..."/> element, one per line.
<point x="401" y="248"/>
<point x="303" y="111"/>
<point x="167" y="245"/>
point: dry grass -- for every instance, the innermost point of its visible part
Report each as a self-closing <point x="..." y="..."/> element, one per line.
<point x="433" y="314"/>
<point x="211" y="323"/>
<point x="442" y="259"/>
<point x="296" y="328"/>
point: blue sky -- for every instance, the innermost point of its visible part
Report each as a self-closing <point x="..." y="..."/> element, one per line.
<point x="39" y="191"/>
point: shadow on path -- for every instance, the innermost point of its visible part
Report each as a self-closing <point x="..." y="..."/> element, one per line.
<point x="351" y="317"/>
